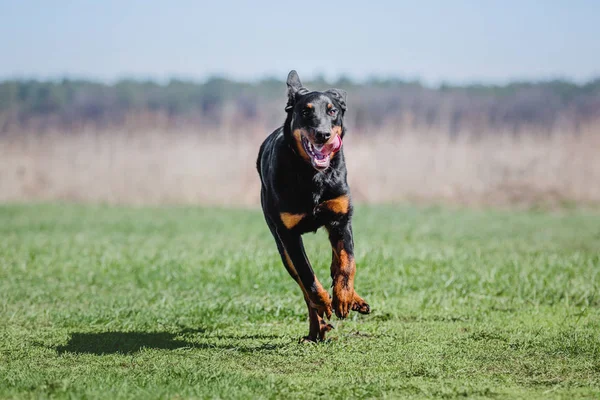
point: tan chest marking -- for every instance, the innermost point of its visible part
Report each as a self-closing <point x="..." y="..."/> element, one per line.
<point x="291" y="220"/>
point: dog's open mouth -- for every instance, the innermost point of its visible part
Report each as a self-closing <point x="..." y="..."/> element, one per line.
<point x="320" y="156"/>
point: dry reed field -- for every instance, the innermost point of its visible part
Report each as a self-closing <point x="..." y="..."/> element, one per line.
<point x="185" y="167"/>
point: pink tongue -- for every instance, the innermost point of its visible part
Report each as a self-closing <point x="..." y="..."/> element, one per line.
<point x="331" y="147"/>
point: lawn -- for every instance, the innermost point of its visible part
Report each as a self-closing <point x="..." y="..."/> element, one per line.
<point x="179" y="302"/>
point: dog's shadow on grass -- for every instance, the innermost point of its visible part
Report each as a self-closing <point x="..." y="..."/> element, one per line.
<point x="102" y="343"/>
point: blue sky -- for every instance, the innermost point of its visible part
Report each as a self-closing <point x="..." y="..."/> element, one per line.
<point x="457" y="41"/>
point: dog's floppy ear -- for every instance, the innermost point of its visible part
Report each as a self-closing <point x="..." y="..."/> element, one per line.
<point x="340" y="95"/>
<point x="294" y="87"/>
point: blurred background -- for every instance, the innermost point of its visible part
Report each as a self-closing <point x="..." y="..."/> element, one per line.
<point x="473" y="103"/>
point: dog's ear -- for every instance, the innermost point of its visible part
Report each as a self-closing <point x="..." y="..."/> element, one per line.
<point x="294" y="87"/>
<point x="340" y="96"/>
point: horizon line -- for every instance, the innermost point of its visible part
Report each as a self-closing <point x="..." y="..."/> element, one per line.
<point x="316" y="77"/>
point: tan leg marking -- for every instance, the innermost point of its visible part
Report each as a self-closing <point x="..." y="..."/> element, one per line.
<point x="343" y="284"/>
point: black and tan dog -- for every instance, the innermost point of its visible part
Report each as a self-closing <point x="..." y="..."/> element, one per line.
<point x="303" y="174"/>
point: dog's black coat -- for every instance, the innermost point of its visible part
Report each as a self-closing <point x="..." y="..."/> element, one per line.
<point x="291" y="185"/>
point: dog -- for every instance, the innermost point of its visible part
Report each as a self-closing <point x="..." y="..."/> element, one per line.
<point x="304" y="187"/>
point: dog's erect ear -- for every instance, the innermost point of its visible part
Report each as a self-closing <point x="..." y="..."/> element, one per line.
<point x="294" y="87"/>
<point x="293" y="83"/>
<point x="340" y="96"/>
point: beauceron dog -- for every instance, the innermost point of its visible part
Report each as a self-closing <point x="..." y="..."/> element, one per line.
<point x="303" y="187"/>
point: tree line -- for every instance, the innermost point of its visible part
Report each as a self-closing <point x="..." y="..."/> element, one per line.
<point x="520" y="107"/>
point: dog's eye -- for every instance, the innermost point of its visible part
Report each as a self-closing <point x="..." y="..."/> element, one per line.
<point x="332" y="112"/>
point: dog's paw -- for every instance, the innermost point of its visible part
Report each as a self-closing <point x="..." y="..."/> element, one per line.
<point x="360" y="305"/>
<point x="308" y="340"/>
<point x="321" y="301"/>
<point x="317" y="335"/>
<point x="346" y="299"/>
<point x="324" y="327"/>
<point x="343" y="300"/>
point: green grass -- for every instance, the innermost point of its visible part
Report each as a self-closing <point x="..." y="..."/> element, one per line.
<point x="99" y="302"/>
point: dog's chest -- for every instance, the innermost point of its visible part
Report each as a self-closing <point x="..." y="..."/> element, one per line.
<point x="301" y="194"/>
<point x="321" y="186"/>
<point x="304" y="198"/>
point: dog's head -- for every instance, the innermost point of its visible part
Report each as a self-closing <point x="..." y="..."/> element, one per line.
<point x="315" y="121"/>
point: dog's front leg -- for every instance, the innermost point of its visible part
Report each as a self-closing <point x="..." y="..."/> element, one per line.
<point x="343" y="269"/>
<point x="316" y="297"/>
<point x="294" y="254"/>
<point x="318" y="326"/>
<point x="294" y="259"/>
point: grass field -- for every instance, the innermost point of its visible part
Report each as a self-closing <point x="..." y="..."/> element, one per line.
<point x="101" y="302"/>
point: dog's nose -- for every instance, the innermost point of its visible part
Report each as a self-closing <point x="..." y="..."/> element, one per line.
<point x="322" y="137"/>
